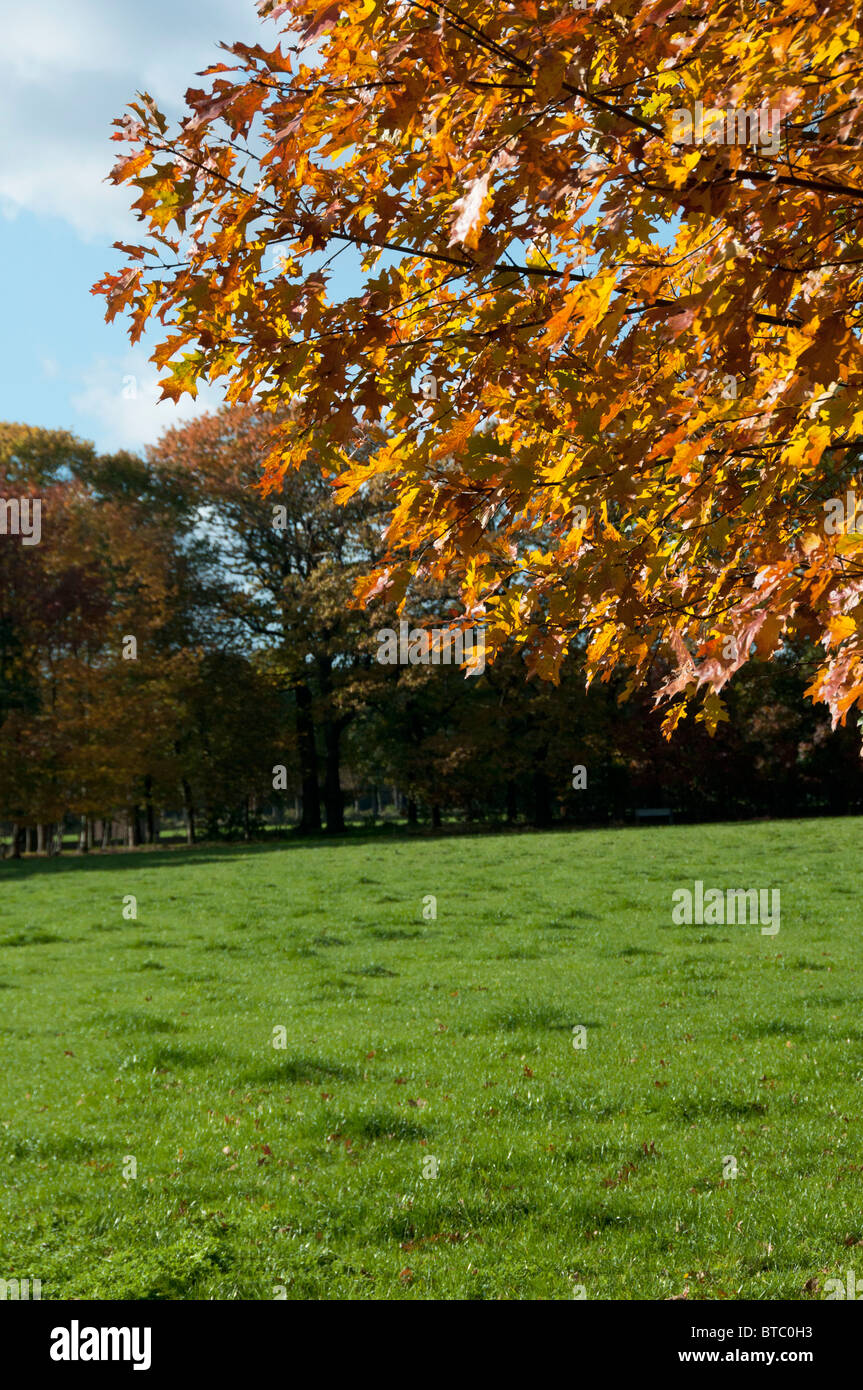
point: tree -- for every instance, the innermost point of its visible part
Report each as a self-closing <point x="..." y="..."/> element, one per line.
<point x="621" y="248"/>
<point x="105" y="620"/>
<point x="291" y="561"/>
<point x="224" y="757"/>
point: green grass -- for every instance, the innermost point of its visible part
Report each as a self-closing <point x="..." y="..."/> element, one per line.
<point x="409" y="1039"/>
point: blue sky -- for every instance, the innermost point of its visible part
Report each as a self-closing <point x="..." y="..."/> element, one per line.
<point x="67" y="68"/>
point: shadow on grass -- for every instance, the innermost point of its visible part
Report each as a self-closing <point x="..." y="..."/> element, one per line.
<point x="774" y="1028"/>
<point x="527" y="1017"/>
<point x="297" y="1071"/>
<point x="208" y="852"/>
<point x="129" y="1021"/>
<point x="216" y="852"/>
<point x="34" y="938"/>
<point x="170" y="1059"/>
<point x="717" y="1108"/>
<point x="384" y="1124"/>
<point x="68" y="1147"/>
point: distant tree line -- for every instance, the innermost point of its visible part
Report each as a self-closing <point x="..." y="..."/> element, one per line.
<point x="179" y="645"/>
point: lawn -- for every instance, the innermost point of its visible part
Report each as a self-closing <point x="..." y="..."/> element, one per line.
<point x="416" y="1045"/>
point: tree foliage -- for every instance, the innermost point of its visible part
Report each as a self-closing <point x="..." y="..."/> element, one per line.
<point x="537" y="236"/>
<point x="290" y="565"/>
<point x="248" y="661"/>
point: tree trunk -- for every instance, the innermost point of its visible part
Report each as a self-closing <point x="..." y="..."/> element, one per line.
<point x="413" y="814"/>
<point x="334" y="800"/>
<point x="436" y="817"/>
<point x="190" y="813"/>
<point x="40" y="838"/>
<point x="541" y="800"/>
<point x="511" y="802"/>
<point x="15" y="847"/>
<point x="310" y="819"/>
<point x="150" y="809"/>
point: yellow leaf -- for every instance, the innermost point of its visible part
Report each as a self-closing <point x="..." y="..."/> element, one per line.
<point x="842" y="627"/>
<point x="850" y="543"/>
<point x="600" y="642"/>
<point x="595" y="298"/>
<point x="672" y="719"/>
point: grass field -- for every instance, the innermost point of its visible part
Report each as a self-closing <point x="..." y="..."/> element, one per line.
<point x="298" y="1171"/>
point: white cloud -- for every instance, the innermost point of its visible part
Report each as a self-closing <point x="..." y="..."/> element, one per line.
<point x="118" y="402"/>
<point x="66" y="70"/>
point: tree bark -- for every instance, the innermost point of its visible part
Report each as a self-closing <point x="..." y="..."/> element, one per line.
<point x="190" y="813"/>
<point x="334" y="800"/>
<point x="310" y="819"/>
<point x="150" y="809"/>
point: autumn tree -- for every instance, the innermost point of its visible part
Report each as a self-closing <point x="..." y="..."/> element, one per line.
<point x="230" y="726"/>
<point x="104" y="620"/>
<point x="609" y="263"/>
<point x="290" y="562"/>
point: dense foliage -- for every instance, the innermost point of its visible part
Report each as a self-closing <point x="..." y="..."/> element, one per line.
<point x="246" y="657"/>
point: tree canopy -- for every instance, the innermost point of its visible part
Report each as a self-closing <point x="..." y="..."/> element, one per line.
<point x="605" y="338"/>
<point x="178" y="644"/>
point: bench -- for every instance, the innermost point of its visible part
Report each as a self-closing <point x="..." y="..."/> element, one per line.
<point x="657" y="813"/>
